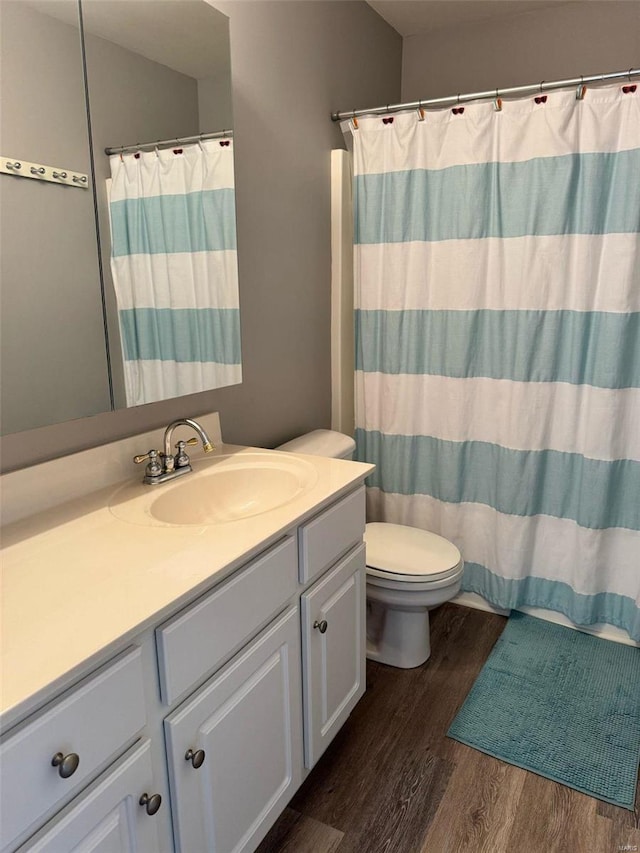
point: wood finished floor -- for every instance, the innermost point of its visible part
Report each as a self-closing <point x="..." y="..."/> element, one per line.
<point x="392" y="782"/>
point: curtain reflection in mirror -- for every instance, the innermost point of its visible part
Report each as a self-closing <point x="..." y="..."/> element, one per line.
<point x="174" y="267"/>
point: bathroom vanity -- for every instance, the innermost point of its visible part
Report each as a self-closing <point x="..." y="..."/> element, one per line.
<point x="168" y="686"/>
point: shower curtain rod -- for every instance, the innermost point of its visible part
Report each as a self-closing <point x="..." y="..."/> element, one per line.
<point x="532" y="89"/>
<point x="167" y="143"/>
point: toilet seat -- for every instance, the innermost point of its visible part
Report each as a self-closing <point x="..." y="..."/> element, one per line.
<point x="400" y="554"/>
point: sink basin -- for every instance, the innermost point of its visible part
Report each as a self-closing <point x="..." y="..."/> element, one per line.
<point x="229" y="488"/>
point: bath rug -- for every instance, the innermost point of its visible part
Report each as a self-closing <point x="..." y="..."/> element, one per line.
<point x="560" y="703"/>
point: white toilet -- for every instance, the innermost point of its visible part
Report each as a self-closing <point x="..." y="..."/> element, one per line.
<point x="409" y="572"/>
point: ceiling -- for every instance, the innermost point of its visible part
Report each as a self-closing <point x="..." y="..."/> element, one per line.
<point x="417" y="17"/>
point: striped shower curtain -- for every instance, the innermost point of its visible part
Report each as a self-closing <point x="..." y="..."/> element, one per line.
<point x="174" y="267"/>
<point x="497" y="275"/>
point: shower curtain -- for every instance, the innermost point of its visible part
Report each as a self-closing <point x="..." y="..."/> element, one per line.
<point x="497" y="277"/>
<point x="174" y="267"/>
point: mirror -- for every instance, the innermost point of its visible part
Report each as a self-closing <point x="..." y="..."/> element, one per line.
<point x="54" y="360"/>
<point x="155" y="70"/>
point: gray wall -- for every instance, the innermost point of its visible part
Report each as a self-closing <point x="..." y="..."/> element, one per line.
<point x="292" y="62"/>
<point x="214" y="103"/>
<point x="553" y="43"/>
<point x="54" y="363"/>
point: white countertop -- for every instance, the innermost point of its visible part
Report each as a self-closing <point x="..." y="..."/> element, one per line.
<point x="78" y="581"/>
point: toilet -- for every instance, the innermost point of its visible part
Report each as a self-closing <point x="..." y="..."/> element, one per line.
<point x="409" y="571"/>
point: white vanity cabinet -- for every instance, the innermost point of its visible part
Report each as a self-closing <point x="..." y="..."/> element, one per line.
<point x="331" y="555"/>
<point x="334" y="650"/>
<point x="240" y="746"/>
<point x="50" y="757"/>
<point x="235" y="749"/>
<point x="221" y="710"/>
<point x="117" y="814"/>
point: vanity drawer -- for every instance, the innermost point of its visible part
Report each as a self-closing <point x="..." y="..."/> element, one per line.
<point x="331" y="534"/>
<point x="199" y="639"/>
<point x="94" y="721"/>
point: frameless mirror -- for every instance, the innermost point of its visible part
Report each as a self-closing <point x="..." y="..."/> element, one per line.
<point x="157" y="71"/>
<point x="54" y="360"/>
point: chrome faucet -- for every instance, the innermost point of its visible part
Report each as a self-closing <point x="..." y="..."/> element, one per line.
<point x="165" y="466"/>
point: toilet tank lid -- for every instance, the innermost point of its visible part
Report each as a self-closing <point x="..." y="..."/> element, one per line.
<point x="404" y="550"/>
<point x="321" y="442"/>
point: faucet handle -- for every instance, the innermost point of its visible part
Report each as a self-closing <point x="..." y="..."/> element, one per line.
<point x="151" y="454"/>
<point x="190" y="441"/>
<point x="181" y="460"/>
<point x="154" y="468"/>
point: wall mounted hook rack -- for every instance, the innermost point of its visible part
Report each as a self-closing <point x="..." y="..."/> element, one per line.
<point x="37" y="171"/>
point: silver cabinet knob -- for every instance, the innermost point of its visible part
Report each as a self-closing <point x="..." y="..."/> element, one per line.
<point x="66" y="764"/>
<point x="196" y="757"/>
<point x="16" y="165"/>
<point x="60" y="175"/>
<point x="37" y="171"/>
<point x="151" y="802"/>
<point x="79" y="179"/>
<point x="321" y="626"/>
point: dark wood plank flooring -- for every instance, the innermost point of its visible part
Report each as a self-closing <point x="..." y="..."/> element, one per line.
<point x="392" y="782"/>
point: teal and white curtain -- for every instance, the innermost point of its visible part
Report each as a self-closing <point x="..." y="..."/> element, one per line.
<point x="173" y="261"/>
<point x="497" y="267"/>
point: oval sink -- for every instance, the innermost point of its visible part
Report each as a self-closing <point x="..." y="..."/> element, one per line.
<point x="230" y="488"/>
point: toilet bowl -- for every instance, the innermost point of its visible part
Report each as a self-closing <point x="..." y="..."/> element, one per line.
<point x="409" y="572"/>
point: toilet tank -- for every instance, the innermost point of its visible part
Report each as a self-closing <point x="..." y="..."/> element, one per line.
<point x="322" y="442"/>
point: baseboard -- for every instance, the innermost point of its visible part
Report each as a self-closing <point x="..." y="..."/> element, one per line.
<point x="606" y="632"/>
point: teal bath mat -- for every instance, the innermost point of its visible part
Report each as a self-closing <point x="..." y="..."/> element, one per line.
<point x="560" y="703"/>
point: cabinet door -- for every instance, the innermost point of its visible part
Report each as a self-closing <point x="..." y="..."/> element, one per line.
<point x="75" y="724"/>
<point x="333" y="653"/>
<point x="108" y="818"/>
<point x="248" y="722"/>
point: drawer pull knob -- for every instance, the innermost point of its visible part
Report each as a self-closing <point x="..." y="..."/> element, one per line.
<point x="66" y="764"/>
<point x="196" y="757"/>
<point x="321" y="626"/>
<point x="152" y="803"/>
